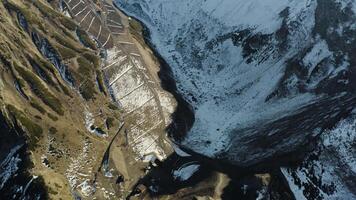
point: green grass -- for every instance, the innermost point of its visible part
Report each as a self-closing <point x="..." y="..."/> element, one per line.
<point x="65" y="89"/>
<point x="50" y="67"/>
<point x="87" y="90"/>
<point x="39" y="89"/>
<point x="136" y="29"/>
<point x="85" y="76"/>
<point x="135" y="26"/>
<point x="34" y="130"/>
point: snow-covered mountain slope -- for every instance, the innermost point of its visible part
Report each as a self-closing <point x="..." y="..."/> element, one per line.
<point x="264" y="77"/>
<point x="330" y="171"/>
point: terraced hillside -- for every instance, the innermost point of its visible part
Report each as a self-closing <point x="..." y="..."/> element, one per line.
<point x="132" y="84"/>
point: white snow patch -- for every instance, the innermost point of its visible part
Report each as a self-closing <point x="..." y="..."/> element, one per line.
<point x="9" y="165"/>
<point x="179" y="151"/>
<point x="185" y="172"/>
<point x="319" y="52"/>
<point x="86" y="188"/>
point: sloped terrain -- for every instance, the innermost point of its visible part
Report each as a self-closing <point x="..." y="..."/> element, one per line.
<point x="267" y="80"/>
<point x="83" y="114"/>
<point x="48" y="85"/>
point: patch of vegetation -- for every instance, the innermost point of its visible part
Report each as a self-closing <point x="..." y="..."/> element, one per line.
<point x="52" y="117"/>
<point x="29" y="15"/>
<point x="87" y="90"/>
<point x="52" y="14"/>
<point x="50" y="67"/>
<point x="39" y="89"/>
<point x="44" y="63"/>
<point x="65" y="52"/>
<point x="45" y="10"/>
<point x="110" y="122"/>
<point x="85" y="76"/>
<point x="34" y="130"/>
<point x="85" y="67"/>
<point x="52" y="130"/>
<point x="100" y="80"/>
<point x="85" y="39"/>
<point x="136" y="29"/>
<point x="64" y="41"/>
<point x="65" y="89"/>
<point x="68" y="23"/>
<point x="42" y="70"/>
<point x="113" y="106"/>
<point x="37" y="106"/>
<point x="94" y="59"/>
<point x="135" y="26"/>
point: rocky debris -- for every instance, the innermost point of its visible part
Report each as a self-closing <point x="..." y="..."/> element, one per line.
<point x="54" y="149"/>
<point x="79" y="165"/>
<point x="86" y="188"/>
<point x="328" y="172"/>
<point x="89" y="124"/>
<point x="45" y="161"/>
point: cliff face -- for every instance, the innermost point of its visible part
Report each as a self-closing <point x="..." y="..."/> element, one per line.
<point x="266" y="79"/>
